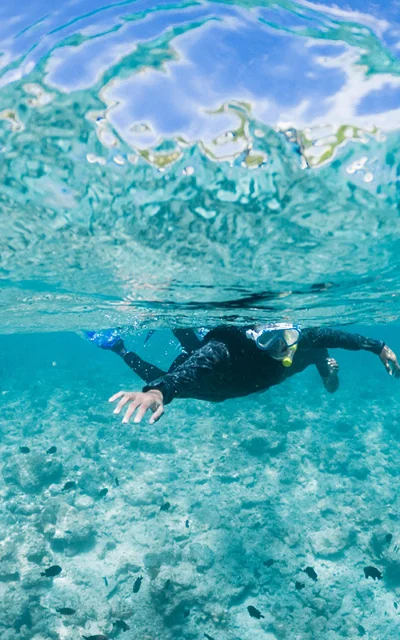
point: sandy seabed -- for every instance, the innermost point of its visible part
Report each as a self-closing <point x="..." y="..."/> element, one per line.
<point x="278" y="502"/>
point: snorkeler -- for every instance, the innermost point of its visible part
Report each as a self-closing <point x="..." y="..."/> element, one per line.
<point x="232" y="362"/>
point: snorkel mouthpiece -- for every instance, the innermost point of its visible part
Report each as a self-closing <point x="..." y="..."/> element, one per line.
<point x="288" y="359"/>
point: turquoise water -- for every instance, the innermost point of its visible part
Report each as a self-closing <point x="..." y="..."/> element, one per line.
<point x="192" y="164"/>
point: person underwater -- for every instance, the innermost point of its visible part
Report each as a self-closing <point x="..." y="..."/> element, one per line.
<point x="231" y="362"/>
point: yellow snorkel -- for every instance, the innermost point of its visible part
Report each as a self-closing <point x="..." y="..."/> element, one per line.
<point x="288" y="359"/>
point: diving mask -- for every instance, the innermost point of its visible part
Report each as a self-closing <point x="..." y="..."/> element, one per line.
<point x="280" y="340"/>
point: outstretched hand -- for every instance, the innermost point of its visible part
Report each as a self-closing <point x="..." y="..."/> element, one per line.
<point x="389" y="359"/>
<point x="140" y="402"/>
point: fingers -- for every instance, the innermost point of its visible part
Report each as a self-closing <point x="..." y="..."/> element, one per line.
<point x="134" y="405"/>
<point x="141" y="411"/>
<point x="117" y="395"/>
<point x="396" y="368"/>
<point x="140" y="401"/>
<point x="123" y="402"/>
<point x="157" y="414"/>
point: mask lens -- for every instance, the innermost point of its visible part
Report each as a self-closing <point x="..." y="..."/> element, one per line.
<point x="267" y="339"/>
<point x="277" y="340"/>
<point x="291" y="337"/>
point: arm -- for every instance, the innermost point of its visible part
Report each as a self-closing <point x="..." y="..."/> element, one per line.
<point x="333" y="339"/>
<point x="186" y="378"/>
<point x="181" y="382"/>
<point x="320" y="338"/>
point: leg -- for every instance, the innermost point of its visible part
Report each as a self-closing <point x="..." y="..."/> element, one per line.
<point x="188" y="339"/>
<point x="148" y="372"/>
<point x="189" y="342"/>
<point x="112" y="341"/>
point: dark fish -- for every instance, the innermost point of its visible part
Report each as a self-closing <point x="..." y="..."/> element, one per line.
<point x="105" y="581"/>
<point x="66" y="611"/>
<point x="121" y="624"/>
<point x="103" y="492"/>
<point x="255" y="613"/>
<point x="55" y="570"/>
<point x="98" y="636"/>
<point x="389" y="537"/>
<point x="361" y="630"/>
<point x="24" y="449"/>
<point x="165" y="506"/>
<point x="187" y="524"/>
<point x="268" y="563"/>
<point x="371" y="572"/>
<point x="395" y="605"/>
<point x="311" y="573"/>
<point x="208" y="637"/>
<point x="137" y="584"/>
<point x="116" y="482"/>
<point x="71" y="484"/>
<point x="52" y="450"/>
<point x="299" y="585"/>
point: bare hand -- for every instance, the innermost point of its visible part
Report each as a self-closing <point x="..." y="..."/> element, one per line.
<point x="332" y="365"/>
<point x="389" y="359"/>
<point x="331" y="382"/>
<point x="142" y="401"/>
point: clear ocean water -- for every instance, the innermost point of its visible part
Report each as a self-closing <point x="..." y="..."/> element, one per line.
<point x="193" y="164"/>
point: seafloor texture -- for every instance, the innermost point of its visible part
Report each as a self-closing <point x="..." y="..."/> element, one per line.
<point x="276" y="516"/>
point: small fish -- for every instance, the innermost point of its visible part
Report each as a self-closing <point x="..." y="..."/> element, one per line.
<point x="116" y="482"/>
<point x="121" y="624"/>
<point x="105" y="581"/>
<point x="299" y="585"/>
<point x="187" y="524"/>
<point x="24" y="449"/>
<point x="311" y="573"/>
<point x="103" y="492"/>
<point x="66" y="611"/>
<point x="395" y="605"/>
<point x="208" y="637"/>
<point x="371" y="572"/>
<point x="55" y="570"/>
<point x="51" y="450"/>
<point x="71" y="484"/>
<point x="255" y="613"/>
<point x="137" y="584"/>
<point x="165" y="506"/>
<point x="389" y="537"/>
<point x="99" y="636"/>
<point x="268" y="563"/>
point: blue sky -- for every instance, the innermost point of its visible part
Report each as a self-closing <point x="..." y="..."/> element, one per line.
<point x="300" y="65"/>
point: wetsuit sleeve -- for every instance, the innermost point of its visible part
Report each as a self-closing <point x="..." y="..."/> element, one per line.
<point x="191" y="374"/>
<point x="319" y="338"/>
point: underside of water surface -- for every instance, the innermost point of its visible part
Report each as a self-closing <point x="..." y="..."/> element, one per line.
<point x="170" y="164"/>
<point x="194" y="164"/>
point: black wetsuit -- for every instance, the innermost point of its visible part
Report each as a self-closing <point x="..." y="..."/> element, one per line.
<point x="229" y="365"/>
